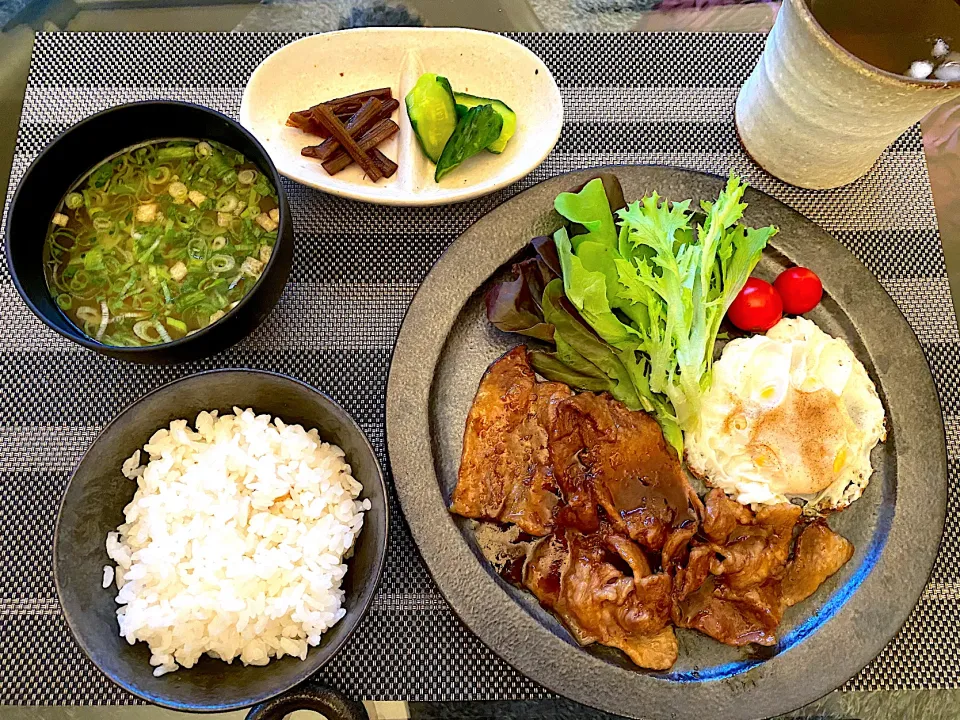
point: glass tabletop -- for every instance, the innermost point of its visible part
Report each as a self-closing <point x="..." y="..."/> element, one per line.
<point x="21" y="19"/>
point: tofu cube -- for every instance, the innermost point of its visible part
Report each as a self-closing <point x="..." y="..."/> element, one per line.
<point x="265" y="252"/>
<point x="196" y="197"/>
<point x="265" y="221"/>
<point x="147" y="212"/>
<point x="224" y="219"/>
<point x="252" y="267"/>
<point x="60" y="219"/>
<point x="179" y="271"/>
<point x="275" y="215"/>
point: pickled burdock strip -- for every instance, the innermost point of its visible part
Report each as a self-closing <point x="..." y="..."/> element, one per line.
<point x="387" y="166"/>
<point x="325" y="116"/>
<point x="353" y="102"/>
<point x="344" y="107"/>
<point x="355" y="126"/>
<point x="304" y="121"/>
<point x="367" y="142"/>
<point x="358" y="124"/>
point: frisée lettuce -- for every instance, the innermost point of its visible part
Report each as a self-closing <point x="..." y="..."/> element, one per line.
<point x="642" y="289"/>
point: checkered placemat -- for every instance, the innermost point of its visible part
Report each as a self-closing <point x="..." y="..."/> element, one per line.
<point x="629" y="98"/>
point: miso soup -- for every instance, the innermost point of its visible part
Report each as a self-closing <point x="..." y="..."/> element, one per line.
<point x="159" y="241"/>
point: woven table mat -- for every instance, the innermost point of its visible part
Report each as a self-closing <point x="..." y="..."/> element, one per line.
<point x="629" y="98"/>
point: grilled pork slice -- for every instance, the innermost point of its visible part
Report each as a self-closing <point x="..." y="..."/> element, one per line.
<point x="739" y="577"/>
<point x="505" y="472"/>
<point x="599" y="586"/>
<point x="820" y="552"/>
<point x="606" y="455"/>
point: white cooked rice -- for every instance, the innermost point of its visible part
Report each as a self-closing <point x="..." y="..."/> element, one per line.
<point x="234" y="543"/>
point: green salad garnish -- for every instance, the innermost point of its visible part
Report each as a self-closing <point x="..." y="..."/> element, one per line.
<point x="632" y="296"/>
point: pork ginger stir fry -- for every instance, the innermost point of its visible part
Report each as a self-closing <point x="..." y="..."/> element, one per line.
<point x="612" y="538"/>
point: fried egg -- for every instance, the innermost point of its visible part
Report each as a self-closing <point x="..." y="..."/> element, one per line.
<point x="791" y="415"/>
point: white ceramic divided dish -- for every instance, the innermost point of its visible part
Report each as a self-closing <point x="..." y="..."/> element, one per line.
<point x="322" y="67"/>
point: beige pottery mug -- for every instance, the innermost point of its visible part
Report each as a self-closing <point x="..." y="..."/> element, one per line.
<point x="814" y="115"/>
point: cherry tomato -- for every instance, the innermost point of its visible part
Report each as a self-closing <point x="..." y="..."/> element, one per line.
<point x="757" y="308"/>
<point x="800" y="289"/>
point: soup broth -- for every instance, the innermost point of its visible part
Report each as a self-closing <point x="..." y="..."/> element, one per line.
<point x="895" y="35"/>
<point x="159" y="241"/>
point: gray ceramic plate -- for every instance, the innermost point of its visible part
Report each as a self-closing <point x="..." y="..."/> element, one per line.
<point x="446" y="343"/>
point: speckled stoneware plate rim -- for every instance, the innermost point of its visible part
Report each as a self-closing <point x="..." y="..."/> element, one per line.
<point x="860" y="619"/>
<point x="316" y="657"/>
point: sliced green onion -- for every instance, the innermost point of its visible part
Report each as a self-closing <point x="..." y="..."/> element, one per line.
<point x="212" y="283"/>
<point x="104" y="321"/>
<point x="221" y="263"/>
<point x="101" y="223"/>
<point x="111" y="265"/>
<point x="203" y="150"/>
<point x="174" y="252"/>
<point x="192" y="298"/>
<point x="80" y="280"/>
<point x="174" y="153"/>
<point x="207" y="225"/>
<point x="93" y="259"/>
<point x="74" y="200"/>
<point x="178" y="324"/>
<point x="64" y="301"/>
<point x="149" y="252"/>
<point x="228" y="203"/>
<point x="159" y="175"/>
<point x="110" y="239"/>
<point x="218" y="243"/>
<point x="88" y="314"/>
<point x="129" y="284"/>
<point x="146" y="301"/>
<point x="162" y="331"/>
<point x="145" y="155"/>
<point x="219" y="164"/>
<point x="143" y="330"/>
<point x="197" y="249"/>
<point x="185" y="221"/>
<point x="205" y="186"/>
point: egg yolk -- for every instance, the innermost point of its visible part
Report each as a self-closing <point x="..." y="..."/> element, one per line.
<point x="839" y="461"/>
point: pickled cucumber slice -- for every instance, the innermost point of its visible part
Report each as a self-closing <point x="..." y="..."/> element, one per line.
<point x="432" y="112"/>
<point x="477" y="128"/>
<point x="465" y="102"/>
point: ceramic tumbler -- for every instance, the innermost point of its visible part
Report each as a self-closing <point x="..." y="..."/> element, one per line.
<point x="817" y="116"/>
